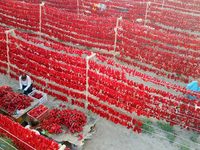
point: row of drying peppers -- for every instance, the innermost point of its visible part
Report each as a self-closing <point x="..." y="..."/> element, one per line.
<point x="186" y="5"/>
<point x="138" y="112"/>
<point x="170" y="62"/>
<point x="51" y="9"/>
<point x="159" y="36"/>
<point x="25" y="138"/>
<point x="76" y="38"/>
<point x="167" y="68"/>
<point x="108" y="70"/>
<point x="81" y="104"/>
<point x="173" y="19"/>
<point x="141" y="8"/>
<point x="103" y="35"/>
<point x="172" y="31"/>
<point x="104" y="31"/>
<point x="143" y="103"/>
<point x="120" y="58"/>
<point x="177" y="68"/>
<point x="171" y="77"/>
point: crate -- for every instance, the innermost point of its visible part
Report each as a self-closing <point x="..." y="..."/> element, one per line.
<point x="41" y="117"/>
<point x="42" y="100"/>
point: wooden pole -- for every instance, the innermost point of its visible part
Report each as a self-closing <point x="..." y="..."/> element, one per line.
<point x="8" y="57"/>
<point x="163" y="3"/>
<point x="122" y="35"/>
<point x="87" y="68"/>
<point x="146" y="12"/>
<point x="40" y="17"/>
<point x="78" y="6"/>
<point x="116" y="36"/>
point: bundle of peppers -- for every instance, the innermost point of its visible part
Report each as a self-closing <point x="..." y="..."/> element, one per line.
<point x="11" y="101"/>
<point x="74" y="120"/>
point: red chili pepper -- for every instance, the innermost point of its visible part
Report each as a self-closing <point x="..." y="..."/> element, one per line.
<point x="64" y="106"/>
<point x="66" y="131"/>
<point x="81" y="136"/>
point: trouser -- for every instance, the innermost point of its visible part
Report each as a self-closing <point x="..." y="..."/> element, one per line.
<point x="29" y="90"/>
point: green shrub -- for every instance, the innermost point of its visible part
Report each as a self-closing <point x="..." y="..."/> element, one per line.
<point x="166" y="127"/>
<point x="193" y="138"/>
<point x="185" y="146"/>
<point x="147" y="128"/>
<point x="5" y="144"/>
<point x="171" y="138"/>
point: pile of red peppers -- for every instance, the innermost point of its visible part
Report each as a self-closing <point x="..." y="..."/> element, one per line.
<point x="11" y="101"/>
<point x="36" y="112"/>
<point x="37" y="95"/>
<point x="74" y="121"/>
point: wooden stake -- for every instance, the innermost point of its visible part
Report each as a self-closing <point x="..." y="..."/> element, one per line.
<point x="146" y="12"/>
<point x="116" y="36"/>
<point x="163" y="3"/>
<point x="40" y="17"/>
<point x="87" y="68"/>
<point x="78" y="6"/>
<point x="8" y="57"/>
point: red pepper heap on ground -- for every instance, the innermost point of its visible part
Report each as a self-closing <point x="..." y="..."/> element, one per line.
<point x="74" y="120"/>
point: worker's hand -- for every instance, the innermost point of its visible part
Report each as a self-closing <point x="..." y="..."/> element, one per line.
<point x="19" y="89"/>
<point x="22" y="92"/>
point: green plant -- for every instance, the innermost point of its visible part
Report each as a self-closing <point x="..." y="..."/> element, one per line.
<point x="147" y="128"/>
<point x="88" y="48"/>
<point x="45" y="132"/>
<point x="171" y="138"/>
<point x="156" y="41"/>
<point x="118" y="54"/>
<point x="19" y="29"/>
<point x="29" y="31"/>
<point x="193" y="138"/>
<point x="166" y="127"/>
<point x="90" y="113"/>
<point x="185" y="146"/>
<point x="6" y="143"/>
<point x="122" y="62"/>
<point x="61" y="41"/>
<point x="136" y="59"/>
<point x="178" y="74"/>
